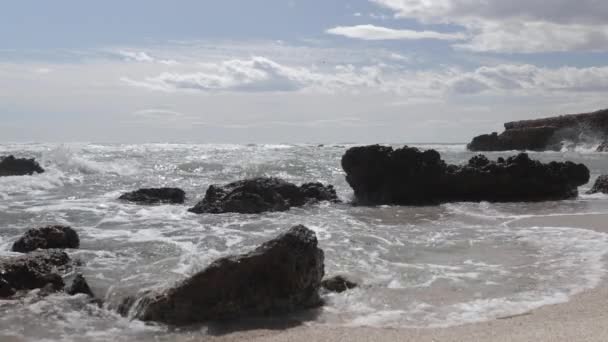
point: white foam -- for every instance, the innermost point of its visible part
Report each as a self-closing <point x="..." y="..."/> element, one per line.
<point x="67" y="158"/>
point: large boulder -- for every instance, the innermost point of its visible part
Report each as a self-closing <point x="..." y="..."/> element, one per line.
<point x="280" y="276"/>
<point x="47" y="237"/>
<point x="600" y="185"/>
<point x="545" y="134"/>
<point x="155" y="196"/>
<point x="381" y="175"/>
<point x="11" y="166"/>
<point x="40" y="269"/>
<point x="257" y="195"/>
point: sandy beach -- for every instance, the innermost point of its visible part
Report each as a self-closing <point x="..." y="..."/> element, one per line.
<point x="583" y="318"/>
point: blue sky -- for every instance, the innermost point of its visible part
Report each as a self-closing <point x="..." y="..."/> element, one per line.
<point x="294" y="70"/>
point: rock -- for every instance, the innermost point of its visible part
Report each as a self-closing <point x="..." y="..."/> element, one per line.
<point x="155" y="196"/>
<point x="257" y="195"/>
<point x="603" y="147"/>
<point x="337" y="284"/>
<point x="600" y="186"/>
<point x="381" y="175"/>
<point x="37" y="270"/>
<point x="46" y="238"/>
<point x="280" y="276"/>
<point x="11" y="166"/>
<point x="545" y="134"/>
<point x="79" y="285"/>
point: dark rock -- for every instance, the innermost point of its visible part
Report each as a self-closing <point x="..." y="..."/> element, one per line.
<point x="155" y="196"/>
<point x="11" y="166"/>
<point x="545" y="134"/>
<point x="281" y="276"/>
<point x="79" y="285"/>
<point x="603" y="147"/>
<point x="600" y="186"/>
<point x="338" y="284"/>
<point x="381" y="175"/>
<point x="46" y="238"/>
<point x="530" y="138"/>
<point x="257" y="195"/>
<point x="35" y="270"/>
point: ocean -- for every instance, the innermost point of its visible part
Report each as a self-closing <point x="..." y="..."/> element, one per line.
<point x="429" y="266"/>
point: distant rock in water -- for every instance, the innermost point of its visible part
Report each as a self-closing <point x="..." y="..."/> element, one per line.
<point x="280" y="276"/>
<point x="37" y="270"/>
<point x="545" y="134"/>
<point x="338" y="284"/>
<point x="257" y="195"/>
<point x="155" y="196"/>
<point x="381" y="175"/>
<point x="11" y="166"/>
<point x="600" y="186"/>
<point x="46" y="238"/>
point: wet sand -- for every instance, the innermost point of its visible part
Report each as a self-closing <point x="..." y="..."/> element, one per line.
<point x="583" y="318"/>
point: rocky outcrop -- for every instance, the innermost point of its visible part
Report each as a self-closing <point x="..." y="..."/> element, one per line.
<point x="381" y="175"/>
<point x="11" y="166"/>
<point x="257" y="195"/>
<point x="155" y="196"/>
<point x="280" y="276"/>
<point x="545" y="134"/>
<point x="37" y="270"/>
<point x="338" y="284"/>
<point x="46" y="238"/>
<point x="600" y="185"/>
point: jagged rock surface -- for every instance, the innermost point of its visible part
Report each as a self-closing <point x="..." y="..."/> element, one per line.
<point x="257" y="195"/>
<point x="155" y="196"/>
<point x="11" y="166"/>
<point x="46" y="238"/>
<point x="40" y="269"/>
<point x="381" y="175"/>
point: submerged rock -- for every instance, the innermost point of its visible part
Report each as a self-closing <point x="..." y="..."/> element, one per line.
<point x="545" y="134"/>
<point x="11" y="166"/>
<point x="381" y="175"/>
<point x="257" y="195"/>
<point x="280" y="276"/>
<point x="37" y="270"/>
<point x="46" y="238"/>
<point x="155" y="196"/>
<point x="600" y="186"/>
<point x="338" y="284"/>
<point x="79" y="285"/>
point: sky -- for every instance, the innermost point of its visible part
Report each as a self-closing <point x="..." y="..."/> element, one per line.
<point x="294" y="71"/>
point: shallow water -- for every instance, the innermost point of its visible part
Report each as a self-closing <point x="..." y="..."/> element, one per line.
<point x="418" y="266"/>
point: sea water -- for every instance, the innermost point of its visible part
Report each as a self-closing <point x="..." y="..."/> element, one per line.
<point x="430" y="266"/>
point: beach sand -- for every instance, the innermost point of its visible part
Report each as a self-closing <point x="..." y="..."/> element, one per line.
<point x="583" y="318"/>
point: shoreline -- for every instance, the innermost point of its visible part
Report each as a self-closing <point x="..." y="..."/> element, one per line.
<point x="583" y="318"/>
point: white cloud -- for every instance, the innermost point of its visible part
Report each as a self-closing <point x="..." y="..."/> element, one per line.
<point x="155" y="113"/>
<point x="144" y="57"/>
<point x="529" y="80"/>
<point x="263" y="75"/>
<point x="520" y="26"/>
<point x="136" y="56"/>
<point x="372" y="32"/>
